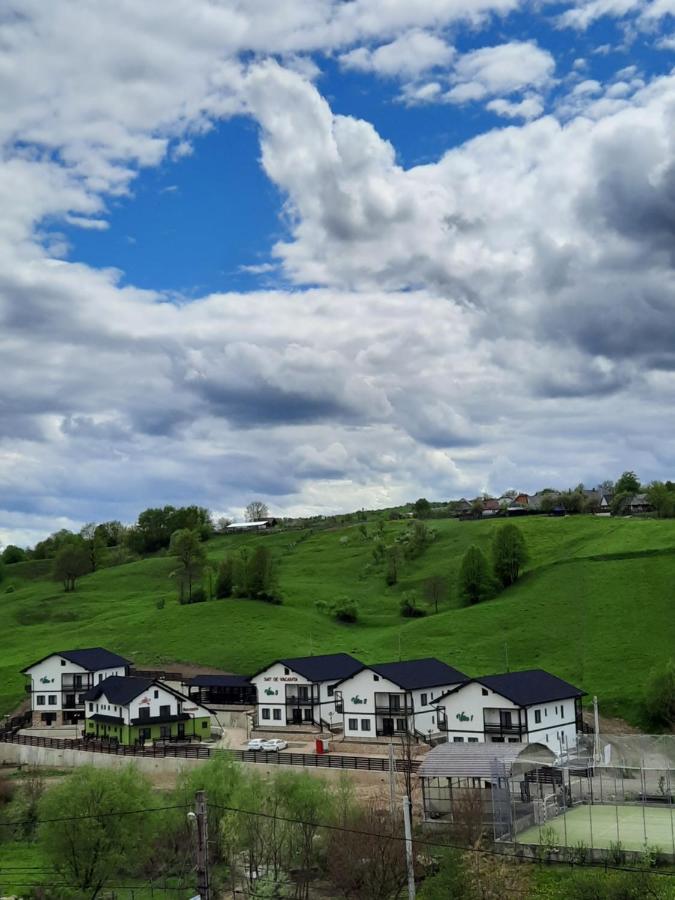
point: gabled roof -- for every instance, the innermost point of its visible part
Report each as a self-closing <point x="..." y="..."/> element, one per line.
<point x="331" y="667"/>
<point x="120" y="689"/>
<point x="413" y="674"/>
<point x="527" y="687"/>
<point x="219" y="681"/>
<point x="92" y="658"/>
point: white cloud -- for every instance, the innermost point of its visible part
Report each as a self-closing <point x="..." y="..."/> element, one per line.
<point x="528" y="108"/>
<point x="585" y="13"/>
<point x="411" y="54"/>
<point x="502" y="69"/>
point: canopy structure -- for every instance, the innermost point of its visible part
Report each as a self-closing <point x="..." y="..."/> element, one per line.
<point x="480" y="760"/>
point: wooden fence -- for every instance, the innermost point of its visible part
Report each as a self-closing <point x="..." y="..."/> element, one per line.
<point x="201" y="751"/>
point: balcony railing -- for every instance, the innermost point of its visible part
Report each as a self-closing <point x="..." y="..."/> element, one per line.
<point x="405" y="709"/>
<point x="384" y="732"/>
<point x="498" y="728"/>
<point x="301" y="701"/>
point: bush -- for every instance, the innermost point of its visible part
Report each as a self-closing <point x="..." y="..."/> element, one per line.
<point x="346" y="610"/>
<point x="409" y="607"/>
<point x="12" y="554"/>
<point x="225" y="579"/>
<point x="660" y="695"/>
<point x="160" y="604"/>
<point x="10" y="589"/>
<point x="199" y="595"/>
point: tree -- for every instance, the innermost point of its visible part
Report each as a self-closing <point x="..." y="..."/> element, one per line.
<point x="260" y="573"/>
<point x="422" y="508"/>
<point x="70" y="563"/>
<point x="13" y="554"/>
<point x="475" y="581"/>
<point x="94" y="543"/>
<point x="367" y="859"/>
<point x="660" y="695"/>
<point x="409" y="607"/>
<point x="662" y="499"/>
<point x="256" y="511"/>
<point x="436" y="590"/>
<point x="629" y="483"/>
<point x="509" y="554"/>
<point x="87" y="843"/>
<point x="393" y="557"/>
<point x="111" y="534"/>
<point x="225" y="578"/>
<point x="187" y="546"/>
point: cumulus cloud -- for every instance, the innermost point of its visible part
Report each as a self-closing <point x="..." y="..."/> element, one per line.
<point x="505" y="308"/>
<point x="411" y="54"/>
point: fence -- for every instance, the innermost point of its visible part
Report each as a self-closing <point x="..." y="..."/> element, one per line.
<point x="198" y="751"/>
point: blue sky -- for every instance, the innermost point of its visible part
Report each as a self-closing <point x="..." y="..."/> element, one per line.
<point x="332" y="255"/>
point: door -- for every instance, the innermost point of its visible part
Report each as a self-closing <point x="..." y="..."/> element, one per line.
<point x="394" y="703"/>
<point x="297" y="717"/>
<point x="387" y="726"/>
<point x="144" y="734"/>
<point x="505" y="719"/>
<point x="181" y="729"/>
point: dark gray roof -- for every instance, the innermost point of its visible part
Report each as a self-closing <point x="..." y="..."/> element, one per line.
<point x="530" y="686"/>
<point x="92" y="658"/>
<point x="480" y="760"/>
<point x="120" y="689"/>
<point x="413" y="674"/>
<point x="331" y="667"/>
<point x="219" y="681"/>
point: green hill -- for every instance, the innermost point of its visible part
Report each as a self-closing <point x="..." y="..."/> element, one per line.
<point x="594" y="606"/>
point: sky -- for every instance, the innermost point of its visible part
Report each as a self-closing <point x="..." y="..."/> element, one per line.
<point x="330" y="254"/>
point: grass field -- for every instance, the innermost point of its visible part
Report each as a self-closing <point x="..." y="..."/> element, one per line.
<point x="600" y="826"/>
<point x="594" y="606"/>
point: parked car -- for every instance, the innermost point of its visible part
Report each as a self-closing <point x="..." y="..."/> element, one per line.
<point x="255" y="744"/>
<point x="275" y="745"/>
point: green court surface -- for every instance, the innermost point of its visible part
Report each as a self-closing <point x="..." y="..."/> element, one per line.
<point x="599" y="826"/>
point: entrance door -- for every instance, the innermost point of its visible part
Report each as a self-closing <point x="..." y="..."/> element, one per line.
<point x="297" y="717"/>
<point x="387" y="726"/>
<point x="181" y="729"/>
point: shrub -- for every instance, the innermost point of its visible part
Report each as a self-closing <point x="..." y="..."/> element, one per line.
<point x="660" y="695"/>
<point x="409" y="607"/>
<point x="346" y="610"/>
<point x="475" y="582"/>
<point x="199" y="595"/>
<point x="10" y="589"/>
<point x="225" y="579"/>
<point x="160" y="603"/>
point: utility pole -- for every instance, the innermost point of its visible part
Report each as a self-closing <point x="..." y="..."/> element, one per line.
<point x="392" y="779"/>
<point x="410" y="863"/>
<point x="202" y="846"/>
<point x="596" y="734"/>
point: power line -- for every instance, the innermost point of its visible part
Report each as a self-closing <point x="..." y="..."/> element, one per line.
<point x="425" y="843"/>
<point x="101" y="815"/>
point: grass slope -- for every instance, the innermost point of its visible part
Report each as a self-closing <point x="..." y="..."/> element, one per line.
<point x="594" y="606"/>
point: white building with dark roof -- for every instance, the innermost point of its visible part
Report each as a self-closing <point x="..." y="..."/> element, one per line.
<point x="396" y="698"/>
<point x="300" y="691"/>
<point x="514" y="707"/>
<point x="58" y="682"/>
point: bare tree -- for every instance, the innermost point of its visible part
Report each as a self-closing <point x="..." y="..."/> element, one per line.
<point x="256" y="510"/>
<point x="366" y="862"/>
<point x="436" y="590"/>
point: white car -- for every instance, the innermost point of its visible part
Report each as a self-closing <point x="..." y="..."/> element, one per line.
<point x="255" y="744"/>
<point x="274" y="745"/>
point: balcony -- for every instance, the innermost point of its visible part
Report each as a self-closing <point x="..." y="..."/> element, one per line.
<point x="497" y="728"/>
<point x="404" y="709"/>
<point x="301" y="701"/>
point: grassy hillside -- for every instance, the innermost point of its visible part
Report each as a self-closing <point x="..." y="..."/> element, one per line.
<point x="594" y="606"/>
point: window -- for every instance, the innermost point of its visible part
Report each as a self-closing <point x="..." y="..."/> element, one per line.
<point x="433" y="720"/>
<point x="353" y="724"/>
<point x="91" y="707"/>
<point x="156" y="695"/>
<point x="144" y="712"/>
<point x="400" y="724"/>
<point x="365" y="724"/>
<point x="165" y="710"/>
<point x="165" y="731"/>
<point x="40" y="699"/>
<point x="63" y="662"/>
<point x="286" y="671"/>
<point x="307" y="715"/>
<point x="556" y="710"/>
<point x="472" y="740"/>
<point x="265" y="713"/>
<point x="546" y="738"/>
<point x="204" y="723"/>
<point x="423" y="699"/>
<point x="458" y="740"/>
<point x="562" y="711"/>
<point x="52" y="700"/>
<point x="484" y="692"/>
<point x="432" y="695"/>
<point x="100" y="678"/>
<point x="376" y="677"/>
<point x="276" y="715"/>
<point x="537" y="716"/>
<point x="331" y="689"/>
<point x="513" y="740"/>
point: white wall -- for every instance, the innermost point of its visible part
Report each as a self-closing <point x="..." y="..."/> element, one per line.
<point x="155" y="697"/>
<point x="557" y="718"/>
<point x="271" y="685"/>
<point x="52" y="669"/>
<point x="364" y="686"/>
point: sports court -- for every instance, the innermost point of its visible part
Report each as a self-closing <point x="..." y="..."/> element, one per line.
<point x="598" y="826"/>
